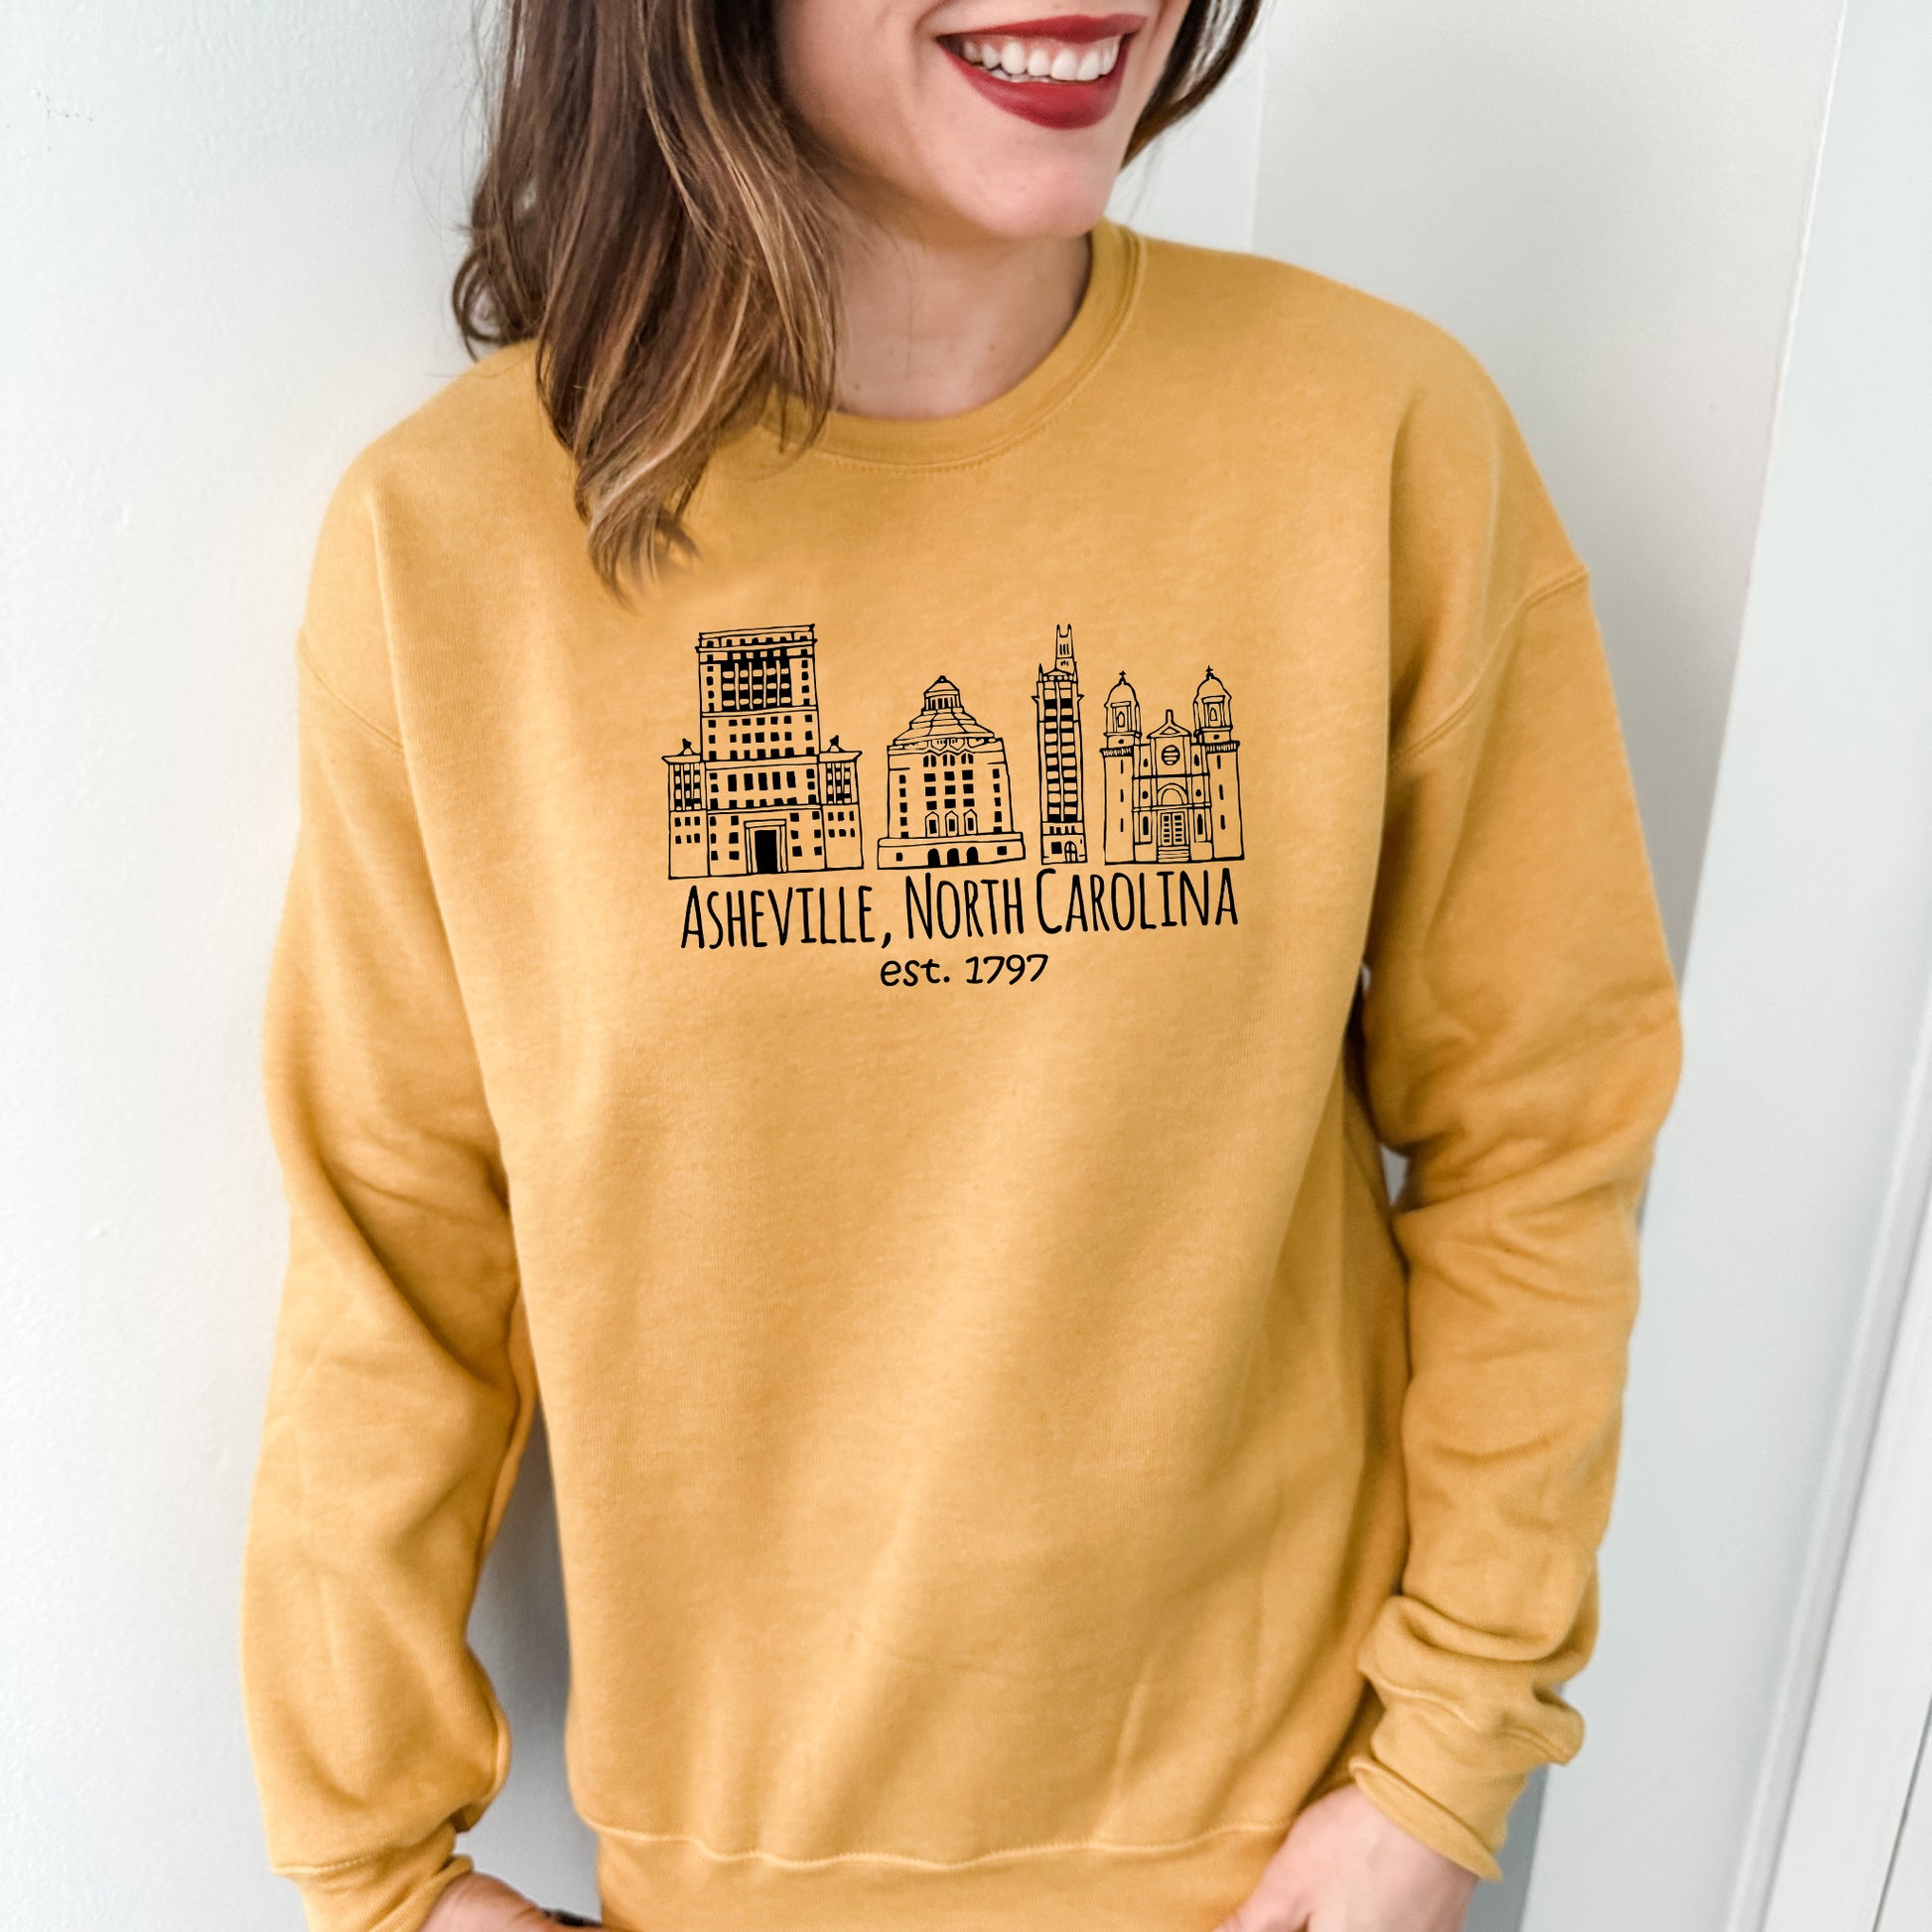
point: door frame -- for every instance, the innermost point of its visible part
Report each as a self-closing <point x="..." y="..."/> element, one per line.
<point x="754" y="828"/>
<point x="1852" y="1718"/>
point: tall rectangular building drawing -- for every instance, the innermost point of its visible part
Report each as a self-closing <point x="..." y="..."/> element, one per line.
<point x="1062" y="803"/>
<point x="762" y="789"/>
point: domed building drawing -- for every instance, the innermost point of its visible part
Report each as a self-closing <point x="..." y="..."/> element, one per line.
<point x="949" y="793"/>
<point x="1171" y="795"/>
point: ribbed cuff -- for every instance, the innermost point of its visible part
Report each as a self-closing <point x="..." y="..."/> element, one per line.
<point x="392" y="1891"/>
<point x="1418" y="1769"/>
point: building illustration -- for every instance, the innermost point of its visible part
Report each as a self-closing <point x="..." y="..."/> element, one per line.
<point x="763" y="790"/>
<point x="949" y="793"/>
<point x="1062" y="808"/>
<point x="1171" y="795"/>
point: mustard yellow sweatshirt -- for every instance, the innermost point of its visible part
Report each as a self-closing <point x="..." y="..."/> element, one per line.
<point x="891" y="1035"/>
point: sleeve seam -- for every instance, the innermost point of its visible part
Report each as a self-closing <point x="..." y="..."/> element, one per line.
<point x="307" y="658"/>
<point x="335" y="1867"/>
<point x="1460" y="708"/>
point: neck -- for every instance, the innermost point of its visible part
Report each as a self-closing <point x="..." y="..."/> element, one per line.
<point x="934" y="325"/>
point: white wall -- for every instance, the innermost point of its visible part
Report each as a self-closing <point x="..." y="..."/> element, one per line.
<point x="224" y="271"/>
<point x="1607" y="205"/>
<point x="1808" y="978"/>
<point x="228" y="223"/>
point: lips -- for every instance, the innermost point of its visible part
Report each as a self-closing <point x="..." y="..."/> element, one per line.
<point x="1061" y="71"/>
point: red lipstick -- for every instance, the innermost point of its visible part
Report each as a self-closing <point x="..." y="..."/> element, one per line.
<point x="1043" y="101"/>
<point x="1075" y="28"/>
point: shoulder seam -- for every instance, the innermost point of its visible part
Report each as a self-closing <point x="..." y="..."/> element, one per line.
<point x="1462" y="706"/>
<point x="307" y="660"/>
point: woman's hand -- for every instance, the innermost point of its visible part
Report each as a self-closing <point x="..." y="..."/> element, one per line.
<point x="1346" y="1867"/>
<point x="478" y="1904"/>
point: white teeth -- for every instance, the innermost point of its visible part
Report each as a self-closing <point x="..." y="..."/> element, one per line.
<point x="1041" y="60"/>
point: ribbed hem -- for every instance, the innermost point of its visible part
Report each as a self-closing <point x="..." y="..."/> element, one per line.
<point x="390" y="1892"/>
<point x="652" y="1883"/>
<point x="1419" y="1772"/>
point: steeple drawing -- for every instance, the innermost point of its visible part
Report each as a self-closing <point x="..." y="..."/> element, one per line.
<point x="949" y="793"/>
<point x="1063" y="810"/>
<point x="1171" y="795"/>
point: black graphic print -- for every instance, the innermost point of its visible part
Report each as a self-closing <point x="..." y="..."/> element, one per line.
<point x="949" y="793"/>
<point x="1172" y="795"/>
<point x="763" y="790"/>
<point x="1062" y="809"/>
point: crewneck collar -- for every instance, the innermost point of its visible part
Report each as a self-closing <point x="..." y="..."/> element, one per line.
<point x="1113" y="281"/>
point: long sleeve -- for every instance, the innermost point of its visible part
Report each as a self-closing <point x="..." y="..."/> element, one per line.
<point x="1520" y="1047"/>
<point x="401" y="1387"/>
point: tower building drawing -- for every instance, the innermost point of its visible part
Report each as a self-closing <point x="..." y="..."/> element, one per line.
<point x="763" y="790"/>
<point x="1171" y="794"/>
<point x="949" y="793"/>
<point x="1062" y="809"/>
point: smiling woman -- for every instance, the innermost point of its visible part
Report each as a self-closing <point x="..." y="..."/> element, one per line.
<point x="669" y="183"/>
<point x="1014" y="1464"/>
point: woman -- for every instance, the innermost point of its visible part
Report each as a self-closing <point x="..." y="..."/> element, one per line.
<point x="899" y="793"/>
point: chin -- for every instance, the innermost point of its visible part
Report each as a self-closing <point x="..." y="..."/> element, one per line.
<point x="1034" y="214"/>
<point x="1026" y="196"/>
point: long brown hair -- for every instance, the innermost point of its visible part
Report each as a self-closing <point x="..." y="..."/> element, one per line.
<point x="654" y="218"/>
